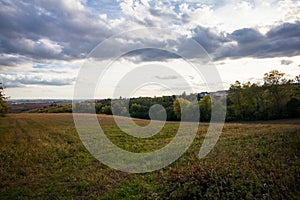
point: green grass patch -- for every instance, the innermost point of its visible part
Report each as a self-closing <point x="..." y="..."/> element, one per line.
<point x="42" y="157"/>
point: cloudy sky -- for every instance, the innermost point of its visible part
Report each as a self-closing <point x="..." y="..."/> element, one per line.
<point x="44" y="43"/>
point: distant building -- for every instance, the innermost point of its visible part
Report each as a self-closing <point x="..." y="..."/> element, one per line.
<point x="201" y="95"/>
<point x="221" y="93"/>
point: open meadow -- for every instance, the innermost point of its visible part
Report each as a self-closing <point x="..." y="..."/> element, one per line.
<point x="41" y="156"/>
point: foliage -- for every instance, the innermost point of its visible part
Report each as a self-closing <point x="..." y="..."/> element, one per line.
<point x="54" y="108"/>
<point x="293" y="107"/>
<point x="106" y="110"/>
<point x="181" y="105"/>
<point x="205" y="108"/>
<point x="3" y="104"/>
<point x="277" y="98"/>
<point x="273" y="77"/>
<point x="137" y="107"/>
<point x="190" y="109"/>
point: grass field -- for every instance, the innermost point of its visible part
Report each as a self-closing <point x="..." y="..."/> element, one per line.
<point x="41" y="156"/>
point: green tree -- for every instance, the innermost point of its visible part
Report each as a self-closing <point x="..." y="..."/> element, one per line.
<point x="186" y="107"/>
<point x="297" y="79"/>
<point x="98" y="107"/>
<point x="180" y="104"/>
<point x="273" y="77"/>
<point x="296" y="90"/>
<point x="234" y="101"/>
<point x="106" y="110"/>
<point x="3" y="104"/>
<point x="119" y="107"/>
<point x="205" y="108"/>
<point x="139" y="111"/>
<point x="278" y="91"/>
<point x="293" y="108"/>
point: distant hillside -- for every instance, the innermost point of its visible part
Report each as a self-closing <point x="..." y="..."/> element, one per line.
<point x="38" y="105"/>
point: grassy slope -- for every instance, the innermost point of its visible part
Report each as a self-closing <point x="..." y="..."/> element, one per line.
<point x="41" y="156"/>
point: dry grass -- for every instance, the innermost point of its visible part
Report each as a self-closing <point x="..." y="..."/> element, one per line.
<point x="41" y="156"/>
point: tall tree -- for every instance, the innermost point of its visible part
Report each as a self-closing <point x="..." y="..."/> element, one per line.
<point x="205" y="108"/>
<point x="275" y="92"/>
<point x="273" y="77"/>
<point x="235" y="100"/>
<point x="180" y="105"/>
<point x="297" y="79"/>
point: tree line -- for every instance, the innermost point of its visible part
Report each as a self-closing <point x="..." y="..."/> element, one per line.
<point x="276" y="98"/>
<point x="137" y="107"/>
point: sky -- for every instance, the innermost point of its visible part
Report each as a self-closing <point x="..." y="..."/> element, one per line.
<point x="45" y="44"/>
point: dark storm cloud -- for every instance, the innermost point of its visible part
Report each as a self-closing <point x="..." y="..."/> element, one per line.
<point x="150" y="54"/>
<point x="49" y="29"/>
<point x="63" y="30"/>
<point x="246" y="36"/>
<point x="283" y="40"/>
<point x="209" y="40"/>
<point x="280" y="41"/>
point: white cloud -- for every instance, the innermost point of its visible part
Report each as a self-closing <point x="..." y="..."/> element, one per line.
<point x="250" y="69"/>
<point x="60" y="33"/>
<point x="236" y="14"/>
<point x="49" y="46"/>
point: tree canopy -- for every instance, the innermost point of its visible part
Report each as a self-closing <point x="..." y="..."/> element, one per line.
<point x="3" y="104"/>
<point x="276" y="98"/>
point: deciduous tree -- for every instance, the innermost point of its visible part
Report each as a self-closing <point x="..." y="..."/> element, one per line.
<point x="3" y="104"/>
